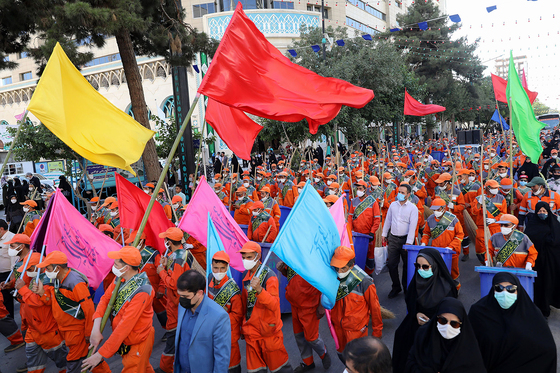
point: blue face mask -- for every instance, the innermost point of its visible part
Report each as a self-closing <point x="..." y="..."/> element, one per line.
<point x="542" y="216"/>
<point x="425" y="274"/>
<point x="505" y="299"/>
<point x="522" y="183"/>
<point x="400" y="197"/>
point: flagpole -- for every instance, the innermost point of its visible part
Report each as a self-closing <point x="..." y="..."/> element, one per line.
<point x="23" y="119"/>
<point x="483" y="202"/>
<point x="511" y="143"/>
<point x="100" y="192"/>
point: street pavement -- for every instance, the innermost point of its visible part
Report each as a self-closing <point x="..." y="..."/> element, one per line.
<point x="470" y="293"/>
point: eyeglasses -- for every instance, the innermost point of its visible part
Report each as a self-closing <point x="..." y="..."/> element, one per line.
<point x="510" y="288"/>
<point x="425" y="267"/>
<point x="454" y="323"/>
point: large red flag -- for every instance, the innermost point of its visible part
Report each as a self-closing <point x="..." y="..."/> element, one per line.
<point x="500" y="86"/>
<point x="133" y="202"/>
<point x="413" y="107"/>
<point x="233" y="126"/>
<point x="249" y="73"/>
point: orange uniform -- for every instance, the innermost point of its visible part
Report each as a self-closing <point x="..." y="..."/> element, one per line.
<point x="389" y="195"/>
<point x="499" y="207"/>
<point x="243" y="211"/>
<point x="272" y="208"/>
<point x="364" y="217"/>
<point x="516" y="255"/>
<point x="305" y="301"/>
<point x="287" y="194"/>
<point x="150" y="261"/>
<point x="234" y="308"/>
<point x="451" y="236"/>
<point x="262" y="324"/>
<point x="30" y="222"/>
<point x="530" y="201"/>
<point x="8" y="326"/>
<point x="262" y="226"/>
<point x="131" y="324"/>
<point x="167" y="209"/>
<point x="351" y="313"/>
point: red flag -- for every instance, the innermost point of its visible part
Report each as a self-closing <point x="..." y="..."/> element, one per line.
<point x="249" y="73"/>
<point x="500" y="86"/>
<point x="234" y="127"/>
<point x="133" y="202"/>
<point x="413" y="107"/>
<point x="524" y="80"/>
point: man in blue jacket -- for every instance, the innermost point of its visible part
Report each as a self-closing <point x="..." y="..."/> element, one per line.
<point x="203" y="338"/>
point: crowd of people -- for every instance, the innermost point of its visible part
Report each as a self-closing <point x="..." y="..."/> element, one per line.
<point x="501" y="202"/>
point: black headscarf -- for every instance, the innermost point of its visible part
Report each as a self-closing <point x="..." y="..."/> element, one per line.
<point x="545" y="235"/>
<point x="530" y="169"/>
<point x="514" y="340"/>
<point x="423" y="295"/>
<point x="431" y="353"/>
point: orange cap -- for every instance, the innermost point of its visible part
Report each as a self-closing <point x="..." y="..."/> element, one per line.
<point x="128" y="254"/>
<point x="29" y="202"/>
<point x="265" y="189"/>
<point x="19" y="238"/>
<point x="257" y="205"/>
<point x="362" y="183"/>
<point x="506" y="183"/>
<point x="330" y="199"/>
<point x="217" y="185"/>
<point x="334" y="186"/>
<point x="241" y="189"/>
<point x="217" y="176"/>
<point x="437" y="203"/>
<point x="491" y="184"/>
<point x="508" y="218"/>
<point x="250" y="247"/>
<point x="173" y="233"/>
<point x="374" y="180"/>
<point x="176" y="199"/>
<point x="221" y="255"/>
<point x="409" y="173"/>
<point x="387" y="176"/>
<point x="56" y="257"/>
<point x="333" y="177"/>
<point x="33" y="261"/>
<point x="94" y="199"/>
<point x="149" y="185"/>
<point x="342" y="255"/>
<point x="464" y="171"/>
<point x="114" y="205"/>
<point x="161" y="191"/>
<point x="132" y="236"/>
<point x="108" y="201"/>
<point x="105" y="228"/>
<point x="443" y="178"/>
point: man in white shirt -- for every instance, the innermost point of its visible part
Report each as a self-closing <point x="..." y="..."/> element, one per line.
<point x="6" y="264"/>
<point x="401" y="221"/>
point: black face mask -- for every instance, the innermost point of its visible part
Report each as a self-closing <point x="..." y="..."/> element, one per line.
<point x="556" y="177"/>
<point x="186" y="303"/>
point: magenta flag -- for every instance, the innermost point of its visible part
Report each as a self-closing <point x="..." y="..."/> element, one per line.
<point x="195" y="222"/>
<point x="337" y="212"/>
<point x="63" y="228"/>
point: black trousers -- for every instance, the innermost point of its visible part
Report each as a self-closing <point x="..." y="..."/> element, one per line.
<point x="7" y="294"/>
<point x="395" y="252"/>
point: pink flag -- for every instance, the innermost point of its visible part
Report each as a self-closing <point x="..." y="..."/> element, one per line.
<point x="195" y="222"/>
<point x="63" y="228"/>
<point x="337" y="212"/>
<point x="19" y="116"/>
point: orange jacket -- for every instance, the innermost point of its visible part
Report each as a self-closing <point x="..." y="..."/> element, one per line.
<point x="523" y="254"/>
<point x="289" y="199"/>
<point x="257" y="234"/>
<point x="273" y="211"/>
<point x="265" y="320"/>
<point x="530" y="201"/>
<point x="354" y="310"/>
<point x="234" y="308"/>
<point x="368" y="221"/>
<point x="38" y="316"/>
<point x="242" y="212"/>
<point x="150" y="268"/>
<point x="451" y="237"/>
<point x="476" y="208"/>
<point x="176" y="266"/>
<point x="131" y="325"/>
<point x="301" y="294"/>
<point x="198" y="251"/>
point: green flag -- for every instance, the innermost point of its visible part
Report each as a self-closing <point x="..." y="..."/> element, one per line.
<point x="526" y="127"/>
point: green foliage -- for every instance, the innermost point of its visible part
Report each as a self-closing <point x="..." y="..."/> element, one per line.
<point x="375" y="65"/>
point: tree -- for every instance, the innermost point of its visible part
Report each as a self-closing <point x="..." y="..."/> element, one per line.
<point x="140" y="27"/>
<point x="376" y="65"/>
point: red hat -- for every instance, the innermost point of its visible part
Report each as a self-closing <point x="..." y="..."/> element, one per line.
<point x="128" y="254"/>
<point x="250" y="247"/>
<point x="55" y="257"/>
<point x="173" y="233"/>
<point x="342" y="255"/>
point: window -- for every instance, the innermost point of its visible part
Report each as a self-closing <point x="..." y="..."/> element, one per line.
<point x="360" y="26"/>
<point x="168" y="107"/>
<point x="247" y="4"/>
<point x="7" y="58"/>
<point x="7" y="80"/>
<point x="23" y="55"/>
<point x="25" y="76"/>
<point x="102" y="60"/>
<point x="371" y="10"/>
<point x="201" y="9"/>
<point x="282" y="5"/>
<point x="317" y="8"/>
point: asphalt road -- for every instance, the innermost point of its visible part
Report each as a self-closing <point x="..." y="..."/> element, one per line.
<point x="470" y="293"/>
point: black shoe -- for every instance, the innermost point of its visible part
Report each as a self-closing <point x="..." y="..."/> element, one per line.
<point x="22" y="369"/>
<point x="465" y="258"/>
<point x="11" y="348"/>
<point x="327" y="361"/>
<point x="304" y="368"/>
<point x="394" y="293"/>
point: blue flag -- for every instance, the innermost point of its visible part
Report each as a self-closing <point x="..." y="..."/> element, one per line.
<point x="307" y="242"/>
<point x="213" y="245"/>
<point x="496" y="117"/>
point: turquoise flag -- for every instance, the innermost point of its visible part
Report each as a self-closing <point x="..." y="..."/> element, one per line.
<point x="307" y="242"/>
<point x="213" y="245"/>
<point x="526" y="127"/>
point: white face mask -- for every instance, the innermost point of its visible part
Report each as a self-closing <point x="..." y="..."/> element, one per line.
<point x="438" y="214"/>
<point x="374" y="187"/>
<point x="554" y="156"/>
<point x="503" y="174"/>
<point x="118" y="272"/>
<point x="249" y="264"/>
<point x="114" y="213"/>
<point x="388" y="181"/>
<point x="493" y="154"/>
<point x="259" y="178"/>
<point x="147" y="191"/>
<point x="486" y="167"/>
<point x="246" y="185"/>
<point x="219" y="275"/>
<point x="332" y="192"/>
<point x="282" y="180"/>
<point x="329" y="182"/>
<point x="390" y="169"/>
<point x="52" y="275"/>
<point x="14" y="252"/>
<point x="264" y="198"/>
<point x="342" y="275"/>
<point x="360" y="193"/>
<point x="26" y="209"/>
<point x="407" y="179"/>
<point x="93" y="208"/>
<point x="299" y="190"/>
<point x="494" y="191"/>
<point x="14" y="200"/>
<point x="425" y="159"/>
<point x="471" y="178"/>
<point x="175" y="206"/>
<point x="32" y="274"/>
<point x="506" y="230"/>
<point x="316" y="179"/>
<point x="477" y="159"/>
<point x="217" y="191"/>
<point x="255" y="213"/>
<point x="447" y="331"/>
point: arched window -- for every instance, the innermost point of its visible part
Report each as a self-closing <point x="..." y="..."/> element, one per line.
<point x="129" y="112"/>
<point x="168" y="107"/>
<point x="4" y="123"/>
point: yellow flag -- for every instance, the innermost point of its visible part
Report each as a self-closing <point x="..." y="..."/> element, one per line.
<point x="83" y="119"/>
